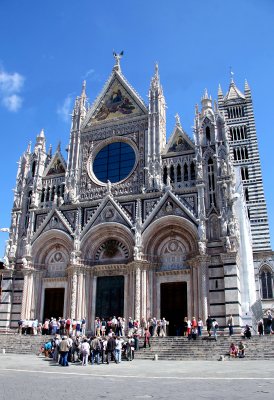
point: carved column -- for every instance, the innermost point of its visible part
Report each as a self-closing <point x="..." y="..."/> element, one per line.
<point x="204" y="290"/>
<point x="137" y="292"/>
<point x="27" y="293"/>
<point x="144" y="294"/>
<point x="73" y="292"/>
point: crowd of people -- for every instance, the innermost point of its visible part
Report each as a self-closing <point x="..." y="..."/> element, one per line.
<point x="84" y="350"/>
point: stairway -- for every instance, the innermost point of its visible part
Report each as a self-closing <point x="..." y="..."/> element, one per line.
<point x="166" y="348"/>
<point x="180" y="348"/>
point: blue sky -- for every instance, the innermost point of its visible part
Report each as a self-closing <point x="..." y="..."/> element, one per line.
<point x="48" y="48"/>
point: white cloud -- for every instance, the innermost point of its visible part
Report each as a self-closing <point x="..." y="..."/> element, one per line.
<point x="13" y="102"/>
<point x="65" y="109"/>
<point x="11" y="85"/>
<point x="92" y="75"/>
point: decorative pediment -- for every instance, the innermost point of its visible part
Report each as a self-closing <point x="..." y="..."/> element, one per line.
<point x="179" y="141"/>
<point x="57" y="165"/>
<point x="117" y="100"/>
<point x="54" y="220"/>
<point x="108" y="211"/>
<point x="170" y="204"/>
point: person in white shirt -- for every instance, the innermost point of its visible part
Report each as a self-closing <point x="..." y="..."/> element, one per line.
<point x="85" y="352"/>
<point x="118" y="348"/>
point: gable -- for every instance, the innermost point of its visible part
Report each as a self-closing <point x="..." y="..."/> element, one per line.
<point x="56" y="166"/>
<point x="117" y="100"/>
<point x="179" y="141"/>
<point x="170" y="204"/>
<point x="109" y="211"/>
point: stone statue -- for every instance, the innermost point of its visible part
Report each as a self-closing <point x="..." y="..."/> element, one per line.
<point x="199" y="170"/>
<point x="117" y="58"/>
<point x="25" y="262"/>
<point x="223" y="167"/>
<point x="227" y="243"/>
<point x="202" y="248"/>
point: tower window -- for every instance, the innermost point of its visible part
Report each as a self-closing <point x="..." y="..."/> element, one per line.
<point x="171" y="173"/>
<point x="211" y="183"/>
<point x="185" y="172"/>
<point x="208" y="138"/>
<point x="192" y="171"/>
<point x="244" y="173"/>
<point x="246" y="194"/>
<point x="179" y="174"/>
<point x="266" y="284"/>
<point x="165" y="175"/>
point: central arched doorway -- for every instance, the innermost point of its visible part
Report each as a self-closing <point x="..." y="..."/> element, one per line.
<point x="110" y="296"/>
<point x="174" y="305"/>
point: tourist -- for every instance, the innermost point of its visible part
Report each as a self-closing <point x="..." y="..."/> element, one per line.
<point x="119" y="327"/>
<point x="95" y="347"/>
<point x="188" y="331"/>
<point x="78" y="327"/>
<point x="230" y="324"/>
<point x="143" y="325"/>
<point x="56" y="344"/>
<point x="269" y="322"/>
<point x="154" y="325"/>
<point x="185" y="326"/>
<point x="20" y="324"/>
<point x="83" y="326"/>
<point x="111" y="345"/>
<point x="45" y="329"/>
<point x="47" y="348"/>
<point x="200" y="326"/>
<point x="67" y="326"/>
<point x="209" y="325"/>
<point x="130" y="326"/>
<point x="64" y="348"/>
<point x="85" y="352"/>
<point x="146" y="338"/>
<point x="163" y="326"/>
<point x="215" y="327"/>
<point x="118" y="349"/>
<point x="104" y="342"/>
<point x="247" y="332"/>
<point x="73" y="326"/>
<point x="241" y="349"/>
<point x="233" y="350"/>
<point x="261" y="327"/>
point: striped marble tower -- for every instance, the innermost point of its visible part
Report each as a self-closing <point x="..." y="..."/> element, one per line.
<point x="240" y="120"/>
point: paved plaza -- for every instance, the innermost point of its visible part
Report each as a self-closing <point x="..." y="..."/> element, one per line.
<point x="28" y="376"/>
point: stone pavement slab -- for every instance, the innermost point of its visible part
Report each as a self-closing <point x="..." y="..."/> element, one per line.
<point x="242" y="379"/>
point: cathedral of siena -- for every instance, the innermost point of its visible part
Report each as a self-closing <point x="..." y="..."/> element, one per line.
<point x="133" y="225"/>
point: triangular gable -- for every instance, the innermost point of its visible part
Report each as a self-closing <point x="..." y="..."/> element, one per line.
<point x="233" y="93"/>
<point x="169" y="204"/>
<point x="117" y="100"/>
<point x="57" y="165"/>
<point x="54" y="220"/>
<point x="179" y="141"/>
<point x="108" y="211"/>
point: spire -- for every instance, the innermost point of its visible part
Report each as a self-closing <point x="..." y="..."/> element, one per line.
<point x="84" y="84"/>
<point x="50" y="151"/>
<point x="206" y="101"/>
<point x="247" y="89"/>
<point x="59" y="147"/>
<point x="29" y="148"/>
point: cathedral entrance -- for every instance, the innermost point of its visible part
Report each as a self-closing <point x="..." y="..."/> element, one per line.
<point x="174" y="306"/>
<point x="110" y="296"/>
<point x="54" y="303"/>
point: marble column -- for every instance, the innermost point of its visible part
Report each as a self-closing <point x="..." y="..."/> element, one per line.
<point x="137" y="293"/>
<point x="27" y="299"/>
<point x="73" y="293"/>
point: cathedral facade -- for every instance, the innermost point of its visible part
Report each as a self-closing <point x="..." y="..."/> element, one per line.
<point x="133" y="225"/>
